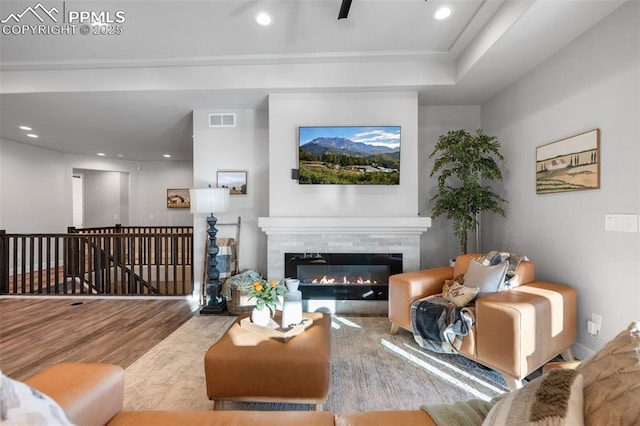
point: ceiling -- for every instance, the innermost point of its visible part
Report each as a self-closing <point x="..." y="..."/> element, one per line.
<point x="130" y="95"/>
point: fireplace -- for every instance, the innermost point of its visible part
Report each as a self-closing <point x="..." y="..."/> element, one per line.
<point x="343" y="276"/>
<point x="317" y="235"/>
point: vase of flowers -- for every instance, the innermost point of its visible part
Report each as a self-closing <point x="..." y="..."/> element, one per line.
<point x="260" y="316"/>
<point x="266" y="294"/>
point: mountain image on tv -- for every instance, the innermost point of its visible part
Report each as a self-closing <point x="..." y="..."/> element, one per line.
<point x="349" y="155"/>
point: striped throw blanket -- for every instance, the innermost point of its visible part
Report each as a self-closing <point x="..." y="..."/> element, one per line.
<point x="439" y="325"/>
<point x="496" y="257"/>
<point x="226" y="257"/>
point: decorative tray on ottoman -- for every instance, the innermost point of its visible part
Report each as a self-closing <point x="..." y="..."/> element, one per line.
<point x="275" y="331"/>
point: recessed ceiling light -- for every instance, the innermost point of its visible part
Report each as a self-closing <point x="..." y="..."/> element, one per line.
<point x="26" y="128"/>
<point x="120" y="155"/>
<point x="167" y="155"/>
<point x="101" y="154"/>
<point x="32" y="135"/>
<point x="443" y="13"/>
<point x="263" y="18"/>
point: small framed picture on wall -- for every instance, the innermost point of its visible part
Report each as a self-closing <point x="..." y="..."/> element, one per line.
<point x="235" y="180"/>
<point x="178" y="198"/>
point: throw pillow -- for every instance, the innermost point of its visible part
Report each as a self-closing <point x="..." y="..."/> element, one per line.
<point x="460" y="294"/>
<point x="612" y="381"/>
<point x="446" y="286"/>
<point x="21" y="404"/>
<point x="448" y="283"/>
<point x="554" y="399"/>
<point x="489" y="279"/>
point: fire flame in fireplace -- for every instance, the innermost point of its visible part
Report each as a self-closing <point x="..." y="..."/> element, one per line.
<point x="344" y="280"/>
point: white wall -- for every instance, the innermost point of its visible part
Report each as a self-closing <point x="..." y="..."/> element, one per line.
<point x="124" y="199"/>
<point x="592" y="83"/>
<point x="288" y="111"/>
<point x="31" y="191"/>
<point x="36" y="188"/>
<point x="156" y="177"/>
<point x="130" y="173"/>
<point x="2" y="143"/>
<point x="244" y="147"/>
<point x="439" y="244"/>
<point x="101" y="198"/>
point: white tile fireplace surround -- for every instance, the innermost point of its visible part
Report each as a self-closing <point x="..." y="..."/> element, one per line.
<point x="342" y="235"/>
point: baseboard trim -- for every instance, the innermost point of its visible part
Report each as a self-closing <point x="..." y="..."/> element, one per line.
<point x="581" y="352"/>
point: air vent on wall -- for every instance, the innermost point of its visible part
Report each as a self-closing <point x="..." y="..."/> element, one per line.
<point x="222" y="120"/>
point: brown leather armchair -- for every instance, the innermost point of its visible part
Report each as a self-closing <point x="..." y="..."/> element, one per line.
<point x="516" y="331"/>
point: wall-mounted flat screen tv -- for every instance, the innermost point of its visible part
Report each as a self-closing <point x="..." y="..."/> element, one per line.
<point x="349" y="155"/>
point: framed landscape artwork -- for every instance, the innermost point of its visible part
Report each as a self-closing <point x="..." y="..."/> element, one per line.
<point x="235" y="180"/>
<point x="178" y="198"/>
<point x="349" y="155"/>
<point x="571" y="164"/>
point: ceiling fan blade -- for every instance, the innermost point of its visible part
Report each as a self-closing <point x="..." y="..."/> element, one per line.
<point x="344" y="9"/>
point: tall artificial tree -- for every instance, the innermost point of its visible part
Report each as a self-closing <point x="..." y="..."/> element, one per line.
<point x="463" y="163"/>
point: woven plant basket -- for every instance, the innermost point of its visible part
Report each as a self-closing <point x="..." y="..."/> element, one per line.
<point x="240" y="302"/>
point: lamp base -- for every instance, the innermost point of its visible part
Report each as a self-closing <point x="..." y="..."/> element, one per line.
<point x="213" y="310"/>
<point x="214" y="303"/>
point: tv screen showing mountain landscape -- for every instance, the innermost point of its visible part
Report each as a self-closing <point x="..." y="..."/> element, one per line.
<point x="349" y="155"/>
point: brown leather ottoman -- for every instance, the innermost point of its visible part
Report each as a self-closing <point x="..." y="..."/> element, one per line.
<point x="248" y="366"/>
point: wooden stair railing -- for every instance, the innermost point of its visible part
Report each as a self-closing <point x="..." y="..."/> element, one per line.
<point x="132" y="261"/>
<point x="111" y="260"/>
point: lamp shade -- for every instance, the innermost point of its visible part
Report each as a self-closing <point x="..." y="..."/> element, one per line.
<point x="209" y="200"/>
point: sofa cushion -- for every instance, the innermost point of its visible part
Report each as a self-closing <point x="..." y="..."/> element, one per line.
<point x="488" y="278"/>
<point x="552" y="399"/>
<point x="462" y="263"/>
<point x="612" y="381"/>
<point x="21" y="404"/>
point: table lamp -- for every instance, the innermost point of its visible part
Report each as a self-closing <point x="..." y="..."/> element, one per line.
<point x="211" y="200"/>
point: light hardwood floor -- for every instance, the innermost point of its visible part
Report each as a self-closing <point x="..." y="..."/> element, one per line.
<point x="36" y="333"/>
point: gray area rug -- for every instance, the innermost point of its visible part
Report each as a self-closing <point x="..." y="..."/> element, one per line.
<point x="372" y="370"/>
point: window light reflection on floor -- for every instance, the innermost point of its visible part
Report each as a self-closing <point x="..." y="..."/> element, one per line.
<point x="471" y="377"/>
<point x="194" y="302"/>
<point x="320" y="305"/>
<point x="346" y="322"/>
<point x="433" y="369"/>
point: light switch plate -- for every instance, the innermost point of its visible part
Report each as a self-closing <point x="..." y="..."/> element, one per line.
<point x="621" y="222"/>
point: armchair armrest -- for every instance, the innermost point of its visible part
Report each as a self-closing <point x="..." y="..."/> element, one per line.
<point x="90" y="394"/>
<point x="407" y="287"/>
<point x="519" y="330"/>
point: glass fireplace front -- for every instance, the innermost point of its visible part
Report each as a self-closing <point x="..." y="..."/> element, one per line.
<point x="343" y="276"/>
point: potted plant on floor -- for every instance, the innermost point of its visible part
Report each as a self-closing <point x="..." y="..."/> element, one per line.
<point x="464" y="162"/>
